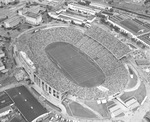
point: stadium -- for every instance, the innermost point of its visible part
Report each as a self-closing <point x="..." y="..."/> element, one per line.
<point x="62" y="60"/>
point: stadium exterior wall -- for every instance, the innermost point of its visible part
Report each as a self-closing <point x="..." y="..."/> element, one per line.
<point x="44" y="89"/>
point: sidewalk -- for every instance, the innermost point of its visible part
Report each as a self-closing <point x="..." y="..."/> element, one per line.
<point x="9" y="86"/>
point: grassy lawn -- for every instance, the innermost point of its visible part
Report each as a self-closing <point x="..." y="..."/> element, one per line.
<point x="139" y="94"/>
<point x="133" y="81"/>
<point x="79" y="111"/>
<point x="7" y="80"/>
<point x="100" y="108"/>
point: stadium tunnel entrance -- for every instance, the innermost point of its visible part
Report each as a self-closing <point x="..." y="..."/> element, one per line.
<point x="75" y="64"/>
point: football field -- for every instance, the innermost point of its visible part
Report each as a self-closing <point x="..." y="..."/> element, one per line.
<point x="75" y="65"/>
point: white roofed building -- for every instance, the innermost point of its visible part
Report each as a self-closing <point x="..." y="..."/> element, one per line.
<point x="100" y="5"/>
<point x="84" y="9"/>
<point x="32" y="18"/>
<point x="12" y="22"/>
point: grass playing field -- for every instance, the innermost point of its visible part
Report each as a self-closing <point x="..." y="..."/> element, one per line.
<point x="75" y="65"/>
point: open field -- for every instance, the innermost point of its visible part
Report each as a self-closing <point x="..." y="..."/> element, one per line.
<point x="139" y="94"/>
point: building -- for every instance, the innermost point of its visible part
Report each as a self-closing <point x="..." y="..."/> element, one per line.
<point x="83" y="9"/>
<point x="32" y="18"/>
<point x="41" y="86"/>
<point x="143" y="62"/>
<point x="100" y="5"/>
<point x="36" y="9"/>
<point x="6" y="1"/>
<point x="77" y="19"/>
<point x="5" y="104"/>
<point x="32" y="9"/>
<point x="12" y="22"/>
<point x="5" y="111"/>
<point x="133" y="27"/>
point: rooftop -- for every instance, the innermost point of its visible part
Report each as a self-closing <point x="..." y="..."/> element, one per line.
<point x="33" y="15"/>
<point x="5" y="109"/>
<point x="145" y="38"/>
<point x="72" y="16"/>
<point x="5" y="100"/>
<point x="13" y="19"/>
<point x="35" y="9"/>
<point x="98" y="3"/>
<point x="130" y="24"/>
<point x="30" y="109"/>
<point x="83" y="7"/>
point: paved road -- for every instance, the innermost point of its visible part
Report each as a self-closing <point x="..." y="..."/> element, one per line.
<point x="26" y="103"/>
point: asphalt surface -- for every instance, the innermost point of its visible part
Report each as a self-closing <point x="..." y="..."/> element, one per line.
<point x="5" y="100"/>
<point x="26" y="103"/>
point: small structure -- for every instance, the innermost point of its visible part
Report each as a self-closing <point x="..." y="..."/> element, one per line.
<point x="20" y="75"/>
<point x="132" y="104"/>
<point x="32" y="9"/>
<point x="143" y="62"/>
<point x="5" y="104"/>
<point x="115" y="109"/>
<point x="12" y="22"/>
<point x="5" y="111"/>
<point x="32" y="18"/>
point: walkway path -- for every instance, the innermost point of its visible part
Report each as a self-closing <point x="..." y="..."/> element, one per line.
<point x="9" y="86"/>
<point x="138" y="81"/>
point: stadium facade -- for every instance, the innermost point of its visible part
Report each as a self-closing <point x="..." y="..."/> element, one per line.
<point x="106" y="55"/>
<point x="39" y="85"/>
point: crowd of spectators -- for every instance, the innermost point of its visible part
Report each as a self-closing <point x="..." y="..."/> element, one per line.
<point x="117" y="48"/>
<point x="35" y="44"/>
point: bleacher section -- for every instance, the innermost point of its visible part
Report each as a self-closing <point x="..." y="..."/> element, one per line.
<point x="117" y="48"/>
